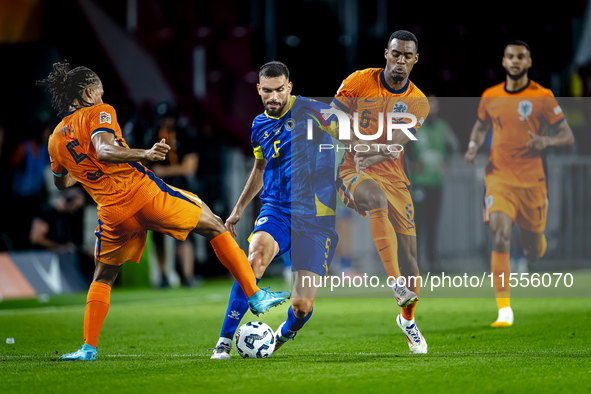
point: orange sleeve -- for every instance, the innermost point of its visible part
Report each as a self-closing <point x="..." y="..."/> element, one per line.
<point x="419" y="108"/>
<point x="102" y="119"/>
<point x="551" y="110"/>
<point x="346" y="97"/>
<point x="57" y="169"/>
<point x="482" y="112"/>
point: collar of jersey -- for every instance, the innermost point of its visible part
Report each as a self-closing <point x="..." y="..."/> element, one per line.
<point x="293" y="99"/>
<point x="389" y="89"/>
<point x="516" y="91"/>
<point x="71" y="112"/>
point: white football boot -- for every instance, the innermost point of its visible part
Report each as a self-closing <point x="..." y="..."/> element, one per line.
<point x="505" y="318"/>
<point x="416" y="342"/>
<point x="280" y="339"/>
<point x="222" y="349"/>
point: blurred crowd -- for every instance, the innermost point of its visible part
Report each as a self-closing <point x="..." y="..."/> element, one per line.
<point x="37" y="216"/>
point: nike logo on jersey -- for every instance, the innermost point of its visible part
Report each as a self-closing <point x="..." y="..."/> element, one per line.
<point x="384" y="248"/>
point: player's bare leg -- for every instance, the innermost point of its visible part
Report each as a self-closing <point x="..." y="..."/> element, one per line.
<point x="534" y="244"/>
<point x="232" y="257"/>
<point x="97" y="307"/>
<point x="409" y="269"/>
<point x="500" y="226"/>
<point x="302" y="302"/>
<point x="262" y="250"/>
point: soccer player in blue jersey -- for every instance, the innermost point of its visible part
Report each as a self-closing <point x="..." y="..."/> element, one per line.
<point x="299" y="201"/>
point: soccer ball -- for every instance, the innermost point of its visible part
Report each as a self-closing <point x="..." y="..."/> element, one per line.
<point x="255" y="339"/>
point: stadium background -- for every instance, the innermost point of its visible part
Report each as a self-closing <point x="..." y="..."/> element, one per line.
<point x="202" y="58"/>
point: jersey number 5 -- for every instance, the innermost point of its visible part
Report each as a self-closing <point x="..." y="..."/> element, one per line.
<point x="276" y="147"/>
<point x="78" y="158"/>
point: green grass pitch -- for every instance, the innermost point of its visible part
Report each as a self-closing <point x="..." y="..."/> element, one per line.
<point x="156" y="342"/>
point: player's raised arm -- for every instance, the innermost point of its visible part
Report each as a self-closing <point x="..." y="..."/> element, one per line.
<point x="251" y="189"/>
<point x="477" y="137"/>
<point x="106" y="150"/>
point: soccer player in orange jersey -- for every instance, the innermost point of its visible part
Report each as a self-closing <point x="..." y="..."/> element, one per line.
<point x="378" y="183"/>
<point x="87" y="147"/>
<point x="519" y="111"/>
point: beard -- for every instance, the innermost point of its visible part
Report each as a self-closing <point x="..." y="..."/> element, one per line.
<point x="516" y="76"/>
<point x="398" y="77"/>
<point x="275" y="112"/>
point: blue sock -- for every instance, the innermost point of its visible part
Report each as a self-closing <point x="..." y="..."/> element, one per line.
<point x="293" y="323"/>
<point x="237" y="307"/>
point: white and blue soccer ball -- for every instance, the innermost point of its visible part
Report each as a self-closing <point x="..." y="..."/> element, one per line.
<point x="255" y="339"/>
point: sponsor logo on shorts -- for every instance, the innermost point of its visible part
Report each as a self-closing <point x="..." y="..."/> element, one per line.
<point x="105" y="117"/>
<point x="489" y="201"/>
<point x="354" y="179"/>
<point x="262" y="221"/>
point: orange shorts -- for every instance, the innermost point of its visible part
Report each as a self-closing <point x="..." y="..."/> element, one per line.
<point x="528" y="207"/>
<point x="400" y="207"/>
<point x="173" y="212"/>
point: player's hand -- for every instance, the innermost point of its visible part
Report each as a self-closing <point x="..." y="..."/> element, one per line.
<point x="231" y="223"/>
<point x="537" y="141"/>
<point x="363" y="162"/>
<point x="470" y="156"/>
<point x="158" y="151"/>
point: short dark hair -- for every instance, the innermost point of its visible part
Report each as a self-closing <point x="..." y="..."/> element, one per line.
<point x="519" y="42"/>
<point x="274" y="69"/>
<point x="404" y="35"/>
<point x="67" y="86"/>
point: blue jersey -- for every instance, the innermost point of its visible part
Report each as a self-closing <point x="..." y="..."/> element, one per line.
<point x="298" y="179"/>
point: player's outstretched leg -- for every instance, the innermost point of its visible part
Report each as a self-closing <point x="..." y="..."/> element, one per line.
<point x="302" y="304"/>
<point x="233" y="258"/>
<point x="97" y="307"/>
<point x="263" y="249"/>
<point x="500" y="226"/>
<point x="409" y="270"/>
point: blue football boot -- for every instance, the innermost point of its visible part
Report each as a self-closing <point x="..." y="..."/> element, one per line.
<point x="263" y="300"/>
<point x="86" y="353"/>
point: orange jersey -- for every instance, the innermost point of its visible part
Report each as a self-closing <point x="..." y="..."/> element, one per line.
<point x="513" y="114"/>
<point x="367" y="93"/>
<point x="120" y="190"/>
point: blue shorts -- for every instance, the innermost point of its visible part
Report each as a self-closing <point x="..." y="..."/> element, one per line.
<point x="311" y="241"/>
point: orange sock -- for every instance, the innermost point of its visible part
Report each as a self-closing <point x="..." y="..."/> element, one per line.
<point x="544" y="246"/>
<point x="97" y="306"/>
<point x="499" y="266"/>
<point x="234" y="259"/>
<point x="409" y="312"/>
<point x="384" y="237"/>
